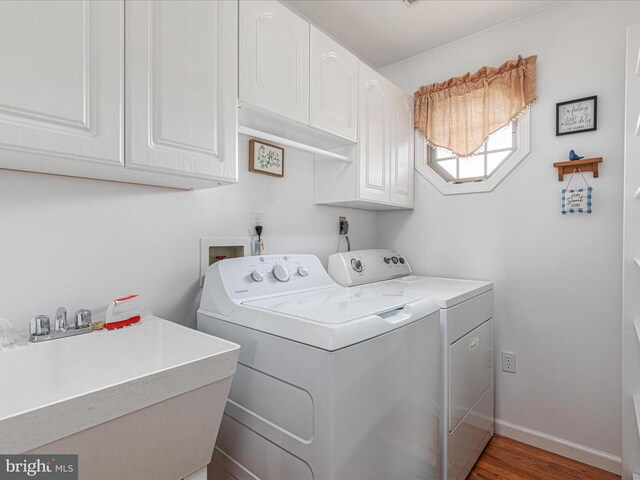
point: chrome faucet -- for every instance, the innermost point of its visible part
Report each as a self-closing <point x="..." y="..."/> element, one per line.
<point x="61" y="320"/>
<point x="40" y="326"/>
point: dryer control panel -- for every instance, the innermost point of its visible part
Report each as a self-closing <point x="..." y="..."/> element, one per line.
<point x="366" y="266"/>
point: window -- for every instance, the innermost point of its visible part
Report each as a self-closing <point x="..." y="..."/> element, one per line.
<point x="482" y="163"/>
<point x="481" y="171"/>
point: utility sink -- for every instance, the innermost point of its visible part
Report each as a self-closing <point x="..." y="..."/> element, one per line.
<point x="140" y="402"/>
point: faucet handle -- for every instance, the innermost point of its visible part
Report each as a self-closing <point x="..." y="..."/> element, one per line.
<point x="61" y="320"/>
<point x="82" y="318"/>
<point x="40" y="325"/>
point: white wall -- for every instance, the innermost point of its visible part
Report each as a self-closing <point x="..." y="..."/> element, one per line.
<point x="75" y="242"/>
<point x="557" y="279"/>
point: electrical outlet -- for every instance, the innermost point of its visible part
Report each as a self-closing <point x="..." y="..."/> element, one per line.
<point x="509" y="362"/>
<point x="344" y="225"/>
<point x="256" y="218"/>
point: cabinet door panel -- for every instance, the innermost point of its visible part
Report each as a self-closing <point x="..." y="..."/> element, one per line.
<point x="61" y="87"/>
<point x="333" y="94"/>
<point x="181" y="86"/>
<point x="373" y="145"/>
<point x="274" y="58"/>
<point x="402" y="142"/>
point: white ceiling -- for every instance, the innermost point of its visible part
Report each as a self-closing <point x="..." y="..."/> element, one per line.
<point x="386" y="31"/>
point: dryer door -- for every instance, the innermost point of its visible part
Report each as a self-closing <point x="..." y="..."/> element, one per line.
<point x="470" y="371"/>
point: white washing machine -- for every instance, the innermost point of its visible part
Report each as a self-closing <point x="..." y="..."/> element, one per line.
<point x="466" y="346"/>
<point x="332" y="382"/>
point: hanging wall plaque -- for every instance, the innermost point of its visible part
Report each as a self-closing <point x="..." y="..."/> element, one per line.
<point x="578" y="200"/>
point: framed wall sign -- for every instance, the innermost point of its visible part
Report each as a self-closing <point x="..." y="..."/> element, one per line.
<point x="266" y="158"/>
<point x="577" y="116"/>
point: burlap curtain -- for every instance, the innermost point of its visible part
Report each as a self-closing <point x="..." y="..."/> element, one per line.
<point x="462" y="112"/>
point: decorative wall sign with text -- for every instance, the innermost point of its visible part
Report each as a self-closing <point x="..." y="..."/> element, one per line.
<point x="576" y="116"/>
<point x="266" y="158"/>
<point x="578" y="200"/>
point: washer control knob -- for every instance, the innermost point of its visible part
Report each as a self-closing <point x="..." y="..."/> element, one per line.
<point x="387" y="260"/>
<point x="303" y="271"/>
<point x="356" y="265"/>
<point x="394" y="260"/>
<point x="281" y="273"/>
<point x="257" y="276"/>
<point x="401" y="260"/>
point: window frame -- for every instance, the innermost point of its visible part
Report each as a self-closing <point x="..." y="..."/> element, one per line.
<point x="434" y="162"/>
<point x="478" y="184"/>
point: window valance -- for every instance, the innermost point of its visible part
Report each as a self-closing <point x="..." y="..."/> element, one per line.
<point x="462" y="112"/>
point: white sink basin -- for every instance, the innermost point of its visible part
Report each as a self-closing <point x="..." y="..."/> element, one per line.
<point x="62" y="387"/>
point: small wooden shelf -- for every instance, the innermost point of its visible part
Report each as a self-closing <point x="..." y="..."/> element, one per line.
<point x="584" y="165"/>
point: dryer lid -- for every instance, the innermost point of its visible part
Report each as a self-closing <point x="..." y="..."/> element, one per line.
<point x="447" y="292"/>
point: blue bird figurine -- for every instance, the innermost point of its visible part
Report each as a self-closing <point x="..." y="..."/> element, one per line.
<point x="574" y="156"/>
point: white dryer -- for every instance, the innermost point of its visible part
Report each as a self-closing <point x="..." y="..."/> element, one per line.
<point x="332" y="382"/>
<point x="466" y="346"/>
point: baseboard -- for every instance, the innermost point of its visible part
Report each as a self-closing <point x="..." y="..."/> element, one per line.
<point x="568" y="449"/>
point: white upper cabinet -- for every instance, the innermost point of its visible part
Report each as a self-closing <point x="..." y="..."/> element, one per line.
<point x="334" y="87"/>
<point x="61" y="86"/>
<point x="63" y="98"/>
<point x="401" y="146"/>
<point x="381" y="175"/>
<point x="274" y="59"/>
<point x="373" y="153"/>
<point x="181" y="88"/>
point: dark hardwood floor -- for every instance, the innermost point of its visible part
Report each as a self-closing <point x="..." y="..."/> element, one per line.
<point x="506" y="459"/>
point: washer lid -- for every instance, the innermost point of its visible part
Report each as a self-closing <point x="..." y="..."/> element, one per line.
<point x="334" y="305"/>
<point x="332" y="318"/>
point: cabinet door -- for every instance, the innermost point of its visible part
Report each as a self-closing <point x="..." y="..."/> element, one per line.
<point x="61" y="86"/>
<point x="373" y="144"/>
<point x="181" y="88"/>
<point x="402" y="158"/>
<point x="274" y="59"/>
<point x="334" y="87"/>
